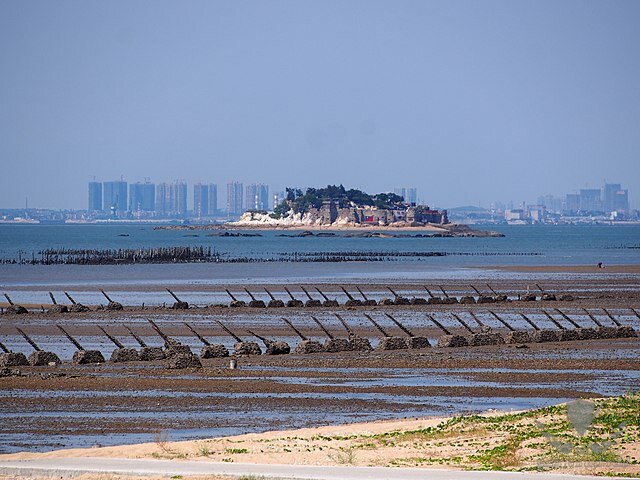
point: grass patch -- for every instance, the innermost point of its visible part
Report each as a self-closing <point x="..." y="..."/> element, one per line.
<point x="203" y="450"/>
<point x="583" y="432"/>
<point x="344" y="456"/>
<point x="233" y="451"/>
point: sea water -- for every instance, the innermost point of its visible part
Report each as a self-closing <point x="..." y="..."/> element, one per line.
<point x="521" y="245"/>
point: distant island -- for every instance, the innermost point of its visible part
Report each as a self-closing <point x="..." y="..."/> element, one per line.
<point x="334" y="206"/>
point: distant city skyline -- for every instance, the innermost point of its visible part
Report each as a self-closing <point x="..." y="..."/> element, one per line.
<point x="409" y="193"/>
<point x="143" y="196"/>
<point x="147" y="201"/>
<point x="256" y="196"/>
<point x="173" y="198"/>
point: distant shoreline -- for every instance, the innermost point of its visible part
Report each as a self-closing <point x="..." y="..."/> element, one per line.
<point x="233" y="226"/>
<point x="451" y="229"/>
<point x="632" y="268"/>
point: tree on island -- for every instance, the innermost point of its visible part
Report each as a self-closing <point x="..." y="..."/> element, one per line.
<point x="301" y="202"/>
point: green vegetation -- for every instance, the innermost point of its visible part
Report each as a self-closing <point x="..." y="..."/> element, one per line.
<point x="593" y="433"/>
<point x="301" y="202"/>
<point x="596" y="436"/>
<point x="582" y="432"/>
<point x="232" y="451"/>
<point x="203" y="450"/>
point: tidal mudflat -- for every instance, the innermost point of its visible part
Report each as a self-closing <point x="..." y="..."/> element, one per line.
<point x="71" y="405"/>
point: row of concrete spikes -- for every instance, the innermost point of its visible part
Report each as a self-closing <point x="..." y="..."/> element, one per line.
<point x="396" y="300"/>
<point x="388" y="342"/>
<point x="311" y="302"/>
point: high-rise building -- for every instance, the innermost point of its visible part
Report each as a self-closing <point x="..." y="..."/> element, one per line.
<point x="200" y="200"/>
<point x="205" y="199"/>
<point x="142" y="197"/>
<point x="234" y="198"/>
<point x="114" y="195"/>
<point x="171" y="198"/>
<point x="278" y="198"/>
<point x="551" y="203"/>
<point x="620" y="201"/>
<point x="257" y="197"/>
<point x="572" y="203"/>
<point x="162" y="193"/>
<point x="590" y="200"/>
<point x="412" y="195"/>
<point x="181" y="197"/>
<point x="95" y="197"/>
<point x="213" y="199"/>
<point x="609" y="192"/>
<point x="409" y="194"/>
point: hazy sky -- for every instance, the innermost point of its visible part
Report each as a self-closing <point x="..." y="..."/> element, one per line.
<point x="470" y="101"/>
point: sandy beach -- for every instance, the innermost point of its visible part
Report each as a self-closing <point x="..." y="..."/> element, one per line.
<point x="493" y="440"/>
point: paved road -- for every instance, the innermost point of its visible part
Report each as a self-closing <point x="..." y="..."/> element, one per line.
<point x="168" y="467"/>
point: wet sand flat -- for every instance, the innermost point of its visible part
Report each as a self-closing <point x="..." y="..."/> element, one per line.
<point x="593" y="269"/>
<point x="70" y="406"/>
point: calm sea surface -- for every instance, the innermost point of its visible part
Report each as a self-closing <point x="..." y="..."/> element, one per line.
<point x="551" y="244"/>
<point x="521" y="245"/>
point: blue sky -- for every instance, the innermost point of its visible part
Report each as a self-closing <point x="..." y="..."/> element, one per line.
<point x="468" y="101"/>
